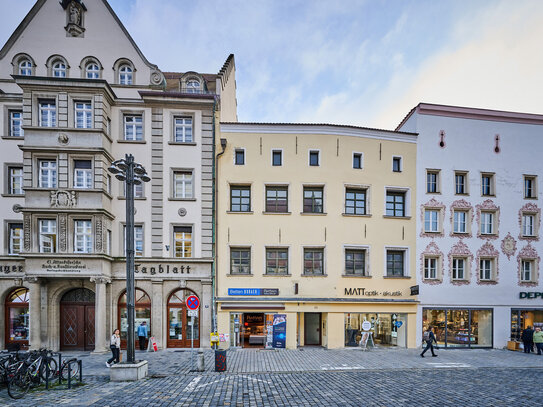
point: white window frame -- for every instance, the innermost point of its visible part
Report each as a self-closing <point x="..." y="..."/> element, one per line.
<point x="47" y="229"/>
<point x="83" y="236"/>
<point x="406" y="256"/>
<point x="400" y="163"/>
<point x="434" y="224"/>
<point x="457" y="221"/>
<point x="180" y="125"/>
<point x="456" y="269"/>
<point x="83" y="109"/>
<point x="48" y="173"/>
<point x="193" y="85"/>
<point x="465" y="175"/>
<point x="134" y="122"/>
<point x="83" y="174"/>
<point x="490" y="262"/>
<point x="437" y="173"/>
<point x="49" y="109"/>
<point x="126" y="74"/>
<point x="491" y="186"/>
<point x="16" y="123"/>
<point x="92" y="70"/>
<point x="186" y="184"/>
<point x="59" y="69"/>
<point x="274" y="151"/>
<point x="138" y="190"/>
<point x="523" y="270"/>
<point x="183" y="242"/>
<point x="430" y="267"/>
<point x="240" y="150"/>
<point x="533" y="189"/>
<point x="488" y="228"/>
<point x="528" y="228"/>
<point x="15" y="186"/>
<point x="13" y="237"/>
<point x="25" y="67"/>
<point x="248" y="248"/>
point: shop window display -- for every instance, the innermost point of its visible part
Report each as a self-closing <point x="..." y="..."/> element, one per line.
<point x="386" y="329"/>
<point x="460" y="328"/>
<point x="143" y="313"/>
<point x="18" y="317"/>
<point x="521" y="319"/>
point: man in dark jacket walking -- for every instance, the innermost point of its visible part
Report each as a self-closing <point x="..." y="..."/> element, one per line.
<point x="528" y="339"/>
<point x="429" y="337"/>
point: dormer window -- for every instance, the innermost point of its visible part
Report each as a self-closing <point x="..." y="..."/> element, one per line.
<point x="59" y="69"/>
<point x="125" y="75"/>
<point x="193" y="86"/>
<point x="25" y="67"/>
<point x="92" y="71"/>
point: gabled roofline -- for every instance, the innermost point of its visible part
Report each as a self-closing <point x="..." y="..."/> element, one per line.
<point x="473" y="113"/>
<point x="34" y="10"/>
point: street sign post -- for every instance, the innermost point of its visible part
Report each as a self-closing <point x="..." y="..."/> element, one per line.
<point x="193" y="303"/>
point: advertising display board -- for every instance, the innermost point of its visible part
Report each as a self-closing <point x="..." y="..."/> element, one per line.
<point x="279" y="330"/>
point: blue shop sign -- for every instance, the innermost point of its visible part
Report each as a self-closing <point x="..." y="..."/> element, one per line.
<point x="253" y="291"/>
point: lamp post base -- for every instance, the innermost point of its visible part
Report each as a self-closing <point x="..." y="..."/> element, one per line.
<point x="129" y="372"/>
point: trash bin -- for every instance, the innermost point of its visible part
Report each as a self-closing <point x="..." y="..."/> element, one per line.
<point x="220" y="360"/>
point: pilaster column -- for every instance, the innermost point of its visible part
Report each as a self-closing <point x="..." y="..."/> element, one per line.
<point x="100" y="314"/>
<point x="35" y="312"/>
<point x="205" y="314"/>
<point x="158" y="308"/>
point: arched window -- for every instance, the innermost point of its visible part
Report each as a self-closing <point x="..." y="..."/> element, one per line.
<point x="143" y="313"/>
<point x="180" y="331"/>
<point x="17" y="317"/>
<point x="59" y="69"/>
<point x="92" y="71"/>
<point x="192" y="86"/>
<point x="25" y="67"/>
<point x="125" y="75"/>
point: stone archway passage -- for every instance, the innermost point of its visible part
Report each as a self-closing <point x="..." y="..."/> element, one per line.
<point x="77" y="320"/>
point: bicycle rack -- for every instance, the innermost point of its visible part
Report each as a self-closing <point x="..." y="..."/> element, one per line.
<point x="80" y="363"/>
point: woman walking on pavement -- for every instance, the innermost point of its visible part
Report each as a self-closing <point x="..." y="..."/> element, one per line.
<point x="538" y="340"/>
<point x="429" y="337"/>
<point x="115" y="346"/>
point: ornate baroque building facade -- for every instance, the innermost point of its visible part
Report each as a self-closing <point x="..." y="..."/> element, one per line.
<point x="76" y="93"/>
<point x="478" y="223"/>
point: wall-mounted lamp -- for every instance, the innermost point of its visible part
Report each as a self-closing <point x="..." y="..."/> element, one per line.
<point x="223" y="143"/>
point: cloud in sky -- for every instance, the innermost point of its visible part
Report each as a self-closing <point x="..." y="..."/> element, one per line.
<point x="355" y="62"/>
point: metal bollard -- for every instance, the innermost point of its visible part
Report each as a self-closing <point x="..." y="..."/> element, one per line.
<point x="201" y="362"/>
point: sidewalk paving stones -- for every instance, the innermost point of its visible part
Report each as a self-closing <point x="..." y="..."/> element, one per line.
<point x="311" y="377"/>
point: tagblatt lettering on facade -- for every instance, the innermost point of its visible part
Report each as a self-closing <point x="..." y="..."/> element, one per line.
<point x="371" y="293"/>
<point x="64" y="266"/>
<point x="11" y="268"/>
<point x="160" y="269"/>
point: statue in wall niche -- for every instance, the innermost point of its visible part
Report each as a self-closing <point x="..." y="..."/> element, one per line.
<point x="75" y="15"/>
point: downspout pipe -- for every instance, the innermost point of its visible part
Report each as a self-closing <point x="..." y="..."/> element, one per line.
<point x="214" y="221"/>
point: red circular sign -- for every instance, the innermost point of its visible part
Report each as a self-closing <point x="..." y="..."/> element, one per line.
<point x="192" y="302"/>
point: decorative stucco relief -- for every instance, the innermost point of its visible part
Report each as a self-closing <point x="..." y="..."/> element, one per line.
<point x="530" y="209"/>
<point x="63" y="199"/>
<point x="98" y="234"/>
<point x="462" y="204"/>
<point x="488" y="205"/>
<point x="528" y="253"/>
<point x="460" y="249"/>
<point x="62" y="232"/>
<point x="487" y="251"/>
<point x="432" y="204"/>
<point x="432" y="250"/>
<point x="509" y="246"/>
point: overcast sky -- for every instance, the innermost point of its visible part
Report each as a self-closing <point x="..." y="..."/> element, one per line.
<point x="361" y="62"/>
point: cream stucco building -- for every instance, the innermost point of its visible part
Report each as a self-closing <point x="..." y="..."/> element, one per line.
<point x="315" y="225"/>
<point x="76" y="93"/>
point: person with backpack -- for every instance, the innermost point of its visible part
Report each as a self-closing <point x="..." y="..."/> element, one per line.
<point x="429" y="337"/>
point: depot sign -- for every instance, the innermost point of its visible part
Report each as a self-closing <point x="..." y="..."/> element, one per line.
<point x="530" y="295"/>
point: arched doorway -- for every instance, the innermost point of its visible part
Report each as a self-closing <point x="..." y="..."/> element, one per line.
<point x="17" y="318"/>
<point x="179" y="328"/>
<point x="143" y="313"/>
<point x="77" y="320"/>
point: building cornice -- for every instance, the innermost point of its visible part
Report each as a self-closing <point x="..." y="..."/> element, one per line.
<point x="473" y="113"/>
<point x="316" y="128"/>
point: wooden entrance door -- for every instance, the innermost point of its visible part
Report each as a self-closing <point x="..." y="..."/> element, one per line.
<point x="179" y="328"/>
<point x="312" y="329"/>
<point x="77" y="326"/>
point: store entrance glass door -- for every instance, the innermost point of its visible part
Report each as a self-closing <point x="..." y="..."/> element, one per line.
<point x="180" y="329"/>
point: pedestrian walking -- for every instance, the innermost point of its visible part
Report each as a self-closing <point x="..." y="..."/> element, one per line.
<point x="538" y="340"/>
<point x="528" y="339"/>
<point x="429" y="338"/>
<point x="115" y="346"/>
<point x="142" y="334"/>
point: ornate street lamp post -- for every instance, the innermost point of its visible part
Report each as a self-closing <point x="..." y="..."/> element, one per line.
<point x="132" y="174"/>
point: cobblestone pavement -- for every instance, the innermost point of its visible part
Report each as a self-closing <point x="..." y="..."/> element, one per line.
<point x="313" y="377"/>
